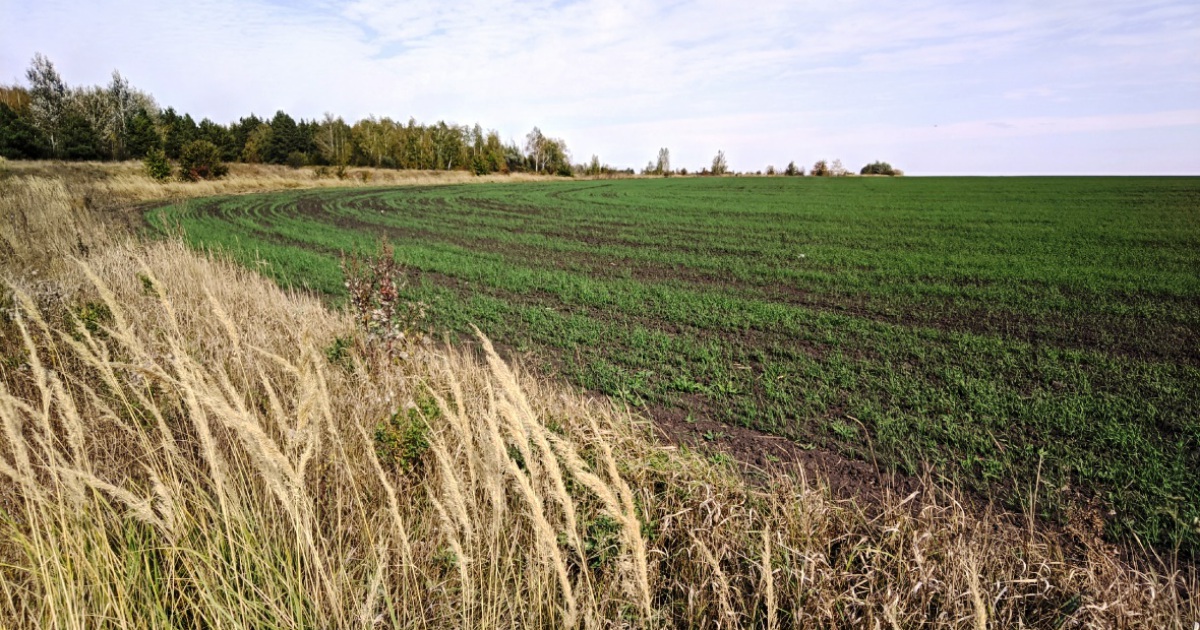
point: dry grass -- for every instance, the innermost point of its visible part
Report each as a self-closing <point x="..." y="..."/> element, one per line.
<point x="180" y="448"/>
<point x="52" y="210"/>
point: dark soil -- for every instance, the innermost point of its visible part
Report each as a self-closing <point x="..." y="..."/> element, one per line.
<point x="761" y="455"/>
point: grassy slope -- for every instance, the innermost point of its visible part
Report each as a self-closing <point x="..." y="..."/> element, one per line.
<point x="185" y="445"/>
<point x="1000" y="329"/>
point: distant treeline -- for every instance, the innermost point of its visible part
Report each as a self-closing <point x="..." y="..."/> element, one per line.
<point x="47" y="119"/>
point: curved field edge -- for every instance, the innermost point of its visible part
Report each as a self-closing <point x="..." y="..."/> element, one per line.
<point x="1033" y="339"/>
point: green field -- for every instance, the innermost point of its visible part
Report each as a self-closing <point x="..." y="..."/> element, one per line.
<point x="1000" y="330"/>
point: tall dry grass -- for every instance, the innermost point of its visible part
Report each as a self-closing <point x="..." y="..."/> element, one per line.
<point x="52" y="210"/>
<point x="183" y="444"/>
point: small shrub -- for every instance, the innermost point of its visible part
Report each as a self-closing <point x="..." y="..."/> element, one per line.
<point x="374" y="285"/>
<point x="403" y="439"/>
<point x="148" y="287"/>
<point x="515" y="455"/>
<point x="158" y="167"/>
<point x="479" y="165"/>
<point x="843" y="430"/>
<point x="296" y="159"/>
<point x="338" y="352"/>
<point x="201" y="159"/>
<point x="721" y="459"/>
<point x="602" y="541"/>
<point x="92" y="316"/>
<point x="444" y="559"/>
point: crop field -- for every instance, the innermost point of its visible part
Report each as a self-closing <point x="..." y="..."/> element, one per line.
<point x="1036" y="340"/>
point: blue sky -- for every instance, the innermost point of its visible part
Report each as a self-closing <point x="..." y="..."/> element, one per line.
<point x="934" y="87"/>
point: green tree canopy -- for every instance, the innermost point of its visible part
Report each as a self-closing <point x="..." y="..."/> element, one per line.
<point x="285" y="139"/>
<point x="19" y="139"/>
<point x="201" y="159"/>
<point x="141" y="135"/>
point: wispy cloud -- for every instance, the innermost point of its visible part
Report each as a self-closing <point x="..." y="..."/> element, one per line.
<point x="768" y="82"/>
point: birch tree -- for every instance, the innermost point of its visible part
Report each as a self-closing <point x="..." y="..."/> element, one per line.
<point x="663" y="167"/>
<point x="333" y="140"/>
<point x="719" y="165"/>
<point x="47" y="101"/>
<point x="535" y="147"/>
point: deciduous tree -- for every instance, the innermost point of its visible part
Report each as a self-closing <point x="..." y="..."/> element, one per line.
<point x="333" y="140"/>
<point x="663" y="166"/>
<point x="124" y="103"/>
<point x="535" y="148"/>
<point x="371" y="139"/>
<point x="719" y="165"/>
<point x="557" y="158"/>
<point x="256" y="143"/>
<point x="878" y="168"/>
<point x="47" y="101"/>
<point x="16" y="97"/>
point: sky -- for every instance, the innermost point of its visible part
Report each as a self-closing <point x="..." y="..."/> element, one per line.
<point x="935" y="87"/>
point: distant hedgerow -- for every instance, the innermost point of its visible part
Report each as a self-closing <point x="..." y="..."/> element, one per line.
<point x="878" y="168"/>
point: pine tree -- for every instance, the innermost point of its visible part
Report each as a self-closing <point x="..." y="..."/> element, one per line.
<point x="141" y="136"/>
<point x="158" y="167"/>
<point x="19" y="139"/>
<point x="285" y="138"/>
<point x="177" y="131"/>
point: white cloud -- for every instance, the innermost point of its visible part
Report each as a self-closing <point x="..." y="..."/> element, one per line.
<point x="621" y="78"/>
